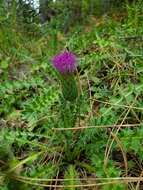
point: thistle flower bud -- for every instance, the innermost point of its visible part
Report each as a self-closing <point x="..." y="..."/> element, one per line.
<point x="66" y="63"/>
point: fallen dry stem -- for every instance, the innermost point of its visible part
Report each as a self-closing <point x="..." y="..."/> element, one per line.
<point x="98" y="126"/>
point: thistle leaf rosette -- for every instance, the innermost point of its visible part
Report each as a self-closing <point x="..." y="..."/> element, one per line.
<point x="65" y="63"/>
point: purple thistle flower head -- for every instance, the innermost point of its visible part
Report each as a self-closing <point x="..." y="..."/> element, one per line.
<point x="65" y="62"/>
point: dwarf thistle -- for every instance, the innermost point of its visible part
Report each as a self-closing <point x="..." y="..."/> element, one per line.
<point x="66" y="64"/>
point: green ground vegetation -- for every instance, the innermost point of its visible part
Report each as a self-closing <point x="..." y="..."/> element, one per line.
<point x="104" y="149"/>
